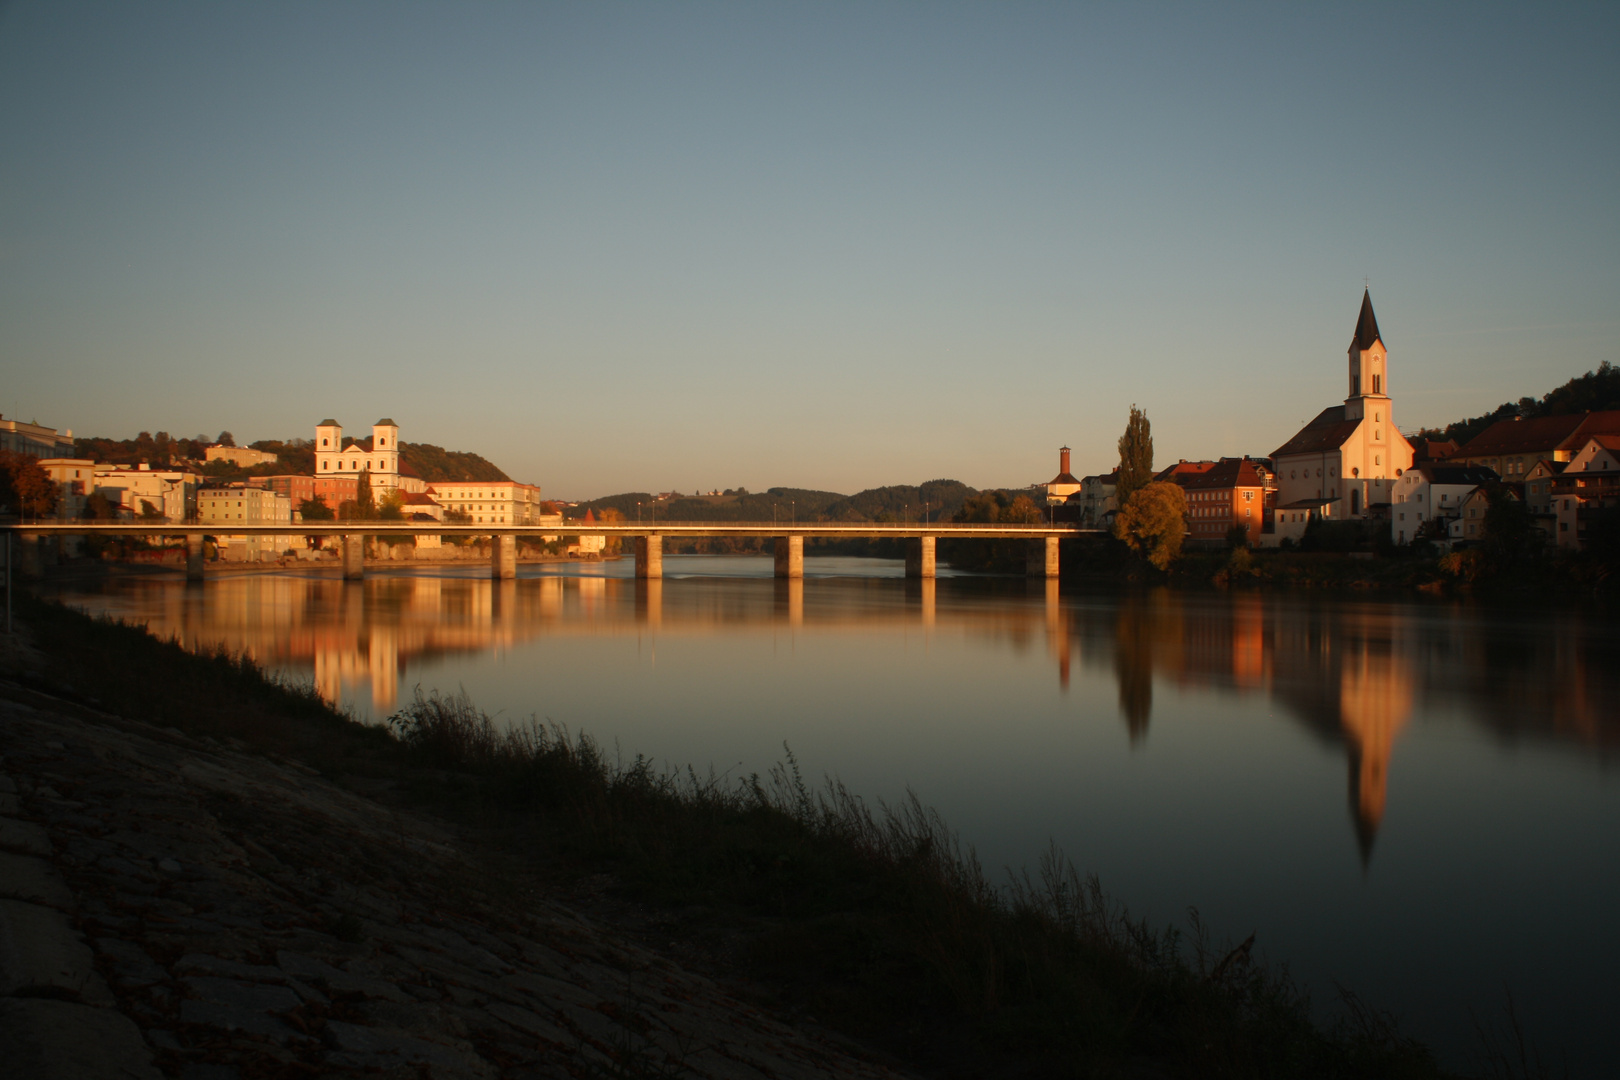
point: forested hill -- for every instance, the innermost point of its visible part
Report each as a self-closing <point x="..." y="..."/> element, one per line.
<point x="900" y="502"/>
<point x="1594" y="391"/>
<point x="436" y="463"/>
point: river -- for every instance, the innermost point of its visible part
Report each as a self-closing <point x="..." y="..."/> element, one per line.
<point x="1416" y="800"/>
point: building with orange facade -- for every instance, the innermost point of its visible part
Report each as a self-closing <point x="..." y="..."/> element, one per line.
<point x="331" y="490"/>
<point x="1232" y="493"/>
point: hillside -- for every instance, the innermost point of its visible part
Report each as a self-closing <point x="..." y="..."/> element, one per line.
<point x="1594" y="391"/>
<point x="944" y="498"/>
<point x="436" y="463"/>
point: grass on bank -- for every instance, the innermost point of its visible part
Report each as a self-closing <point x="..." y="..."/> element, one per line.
<point x="875" y="922"/>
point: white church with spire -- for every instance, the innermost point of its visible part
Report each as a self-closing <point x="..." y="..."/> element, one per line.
<point x="1343" y="465"/>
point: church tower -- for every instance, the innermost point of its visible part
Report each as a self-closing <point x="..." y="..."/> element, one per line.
<point x="1369" y="369"/>
<point x="328" y="446"/>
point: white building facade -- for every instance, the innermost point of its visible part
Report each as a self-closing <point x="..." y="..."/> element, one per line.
<point x="1431" y="493"/>
<point x="490" y="502"/>
<point x="171" y="493"/>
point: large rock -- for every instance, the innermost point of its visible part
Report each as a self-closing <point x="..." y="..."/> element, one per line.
<point x="23" y="836"/>
<point x="40" y="951"/>
<point x="34" y="880"/>
<point x="57" y="1040"/>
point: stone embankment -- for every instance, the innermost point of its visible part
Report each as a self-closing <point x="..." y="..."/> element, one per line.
<point x="174" y="907"/>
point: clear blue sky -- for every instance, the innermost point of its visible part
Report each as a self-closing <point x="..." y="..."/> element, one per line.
<point x="645" y="246"/>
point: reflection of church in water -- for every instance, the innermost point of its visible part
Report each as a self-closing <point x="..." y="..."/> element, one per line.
<point x="1352" y="674"/>
<point x="1339" y="671"/>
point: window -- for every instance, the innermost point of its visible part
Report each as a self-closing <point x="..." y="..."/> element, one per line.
<point x="1378" y="384"/>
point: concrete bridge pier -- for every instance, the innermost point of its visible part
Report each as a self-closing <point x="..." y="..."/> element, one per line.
<point x="790" y="556"/>
<point x="194" y="558"/>
<point x="1043" y="558"/>
<point x="354" y="557"/>
<point x="920" y="557"/>
<point x="649" y="556"/>
<point x="503" y="557"/>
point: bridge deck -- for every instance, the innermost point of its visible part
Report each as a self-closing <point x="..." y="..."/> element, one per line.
<point x="901" y="530"/>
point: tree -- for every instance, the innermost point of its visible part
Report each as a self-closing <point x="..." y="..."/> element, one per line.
<point x="150" y="512"/>
<point x="1153" y="522"/>
<point x="25" y="487"/>
<point x="1135" y="457"/>
<point x="99" y="508"/>
<point x="1510" y="535"/>
<point x="225" y="438"/>
<point x="365" y="505"/>
<point x="315" y="510"/>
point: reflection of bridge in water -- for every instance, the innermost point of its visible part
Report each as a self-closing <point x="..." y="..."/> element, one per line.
<point x="1351" y="673"/>
<point x="37" y="542"/>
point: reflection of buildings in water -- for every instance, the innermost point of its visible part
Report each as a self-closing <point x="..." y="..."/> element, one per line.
<point x="1352" y="672"/>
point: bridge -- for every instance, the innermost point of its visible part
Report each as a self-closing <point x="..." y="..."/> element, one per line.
<point x="647" y="539"/>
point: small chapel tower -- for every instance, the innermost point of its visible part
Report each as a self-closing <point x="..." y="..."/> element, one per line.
<point x="1369" y="369"/>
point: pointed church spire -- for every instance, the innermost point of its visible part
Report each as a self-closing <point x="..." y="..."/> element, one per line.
<point x="1367" y="323"/>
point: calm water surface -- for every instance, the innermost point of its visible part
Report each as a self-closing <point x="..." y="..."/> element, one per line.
<point x="1416" y="800"/>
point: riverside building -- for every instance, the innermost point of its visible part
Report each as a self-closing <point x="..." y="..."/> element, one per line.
<point x="490" y="502"/>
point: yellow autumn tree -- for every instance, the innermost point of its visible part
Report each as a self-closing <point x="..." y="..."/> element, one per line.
<point x="1153" y="522"/>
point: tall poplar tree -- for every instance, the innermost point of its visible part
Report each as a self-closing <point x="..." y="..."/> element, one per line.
<point x="364" y="504"/>
<point x="1135" y="457"/>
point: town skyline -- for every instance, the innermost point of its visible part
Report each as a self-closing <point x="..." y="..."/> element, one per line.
<point x="728" y="246"/>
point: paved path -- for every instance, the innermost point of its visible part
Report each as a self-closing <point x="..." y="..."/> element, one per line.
<point x="178" y="908"/>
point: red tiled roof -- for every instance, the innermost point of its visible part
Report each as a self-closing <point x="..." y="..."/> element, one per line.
<point x="1178" y="473"/>
<point x="1062" y="478"/>
<point x="1434" y="449"/>
<point x="1227" y="473"/>
<point x="1329" y="431"/>
<point x="416" y="498"/>
<point x="1543" y="434"/>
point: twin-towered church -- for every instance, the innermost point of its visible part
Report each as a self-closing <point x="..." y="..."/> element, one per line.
<point x="380" y="454"/>
<point x="1346" y="461"/>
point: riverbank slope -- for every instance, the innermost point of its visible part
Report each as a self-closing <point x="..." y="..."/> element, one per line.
<point x="351" y="848"/>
